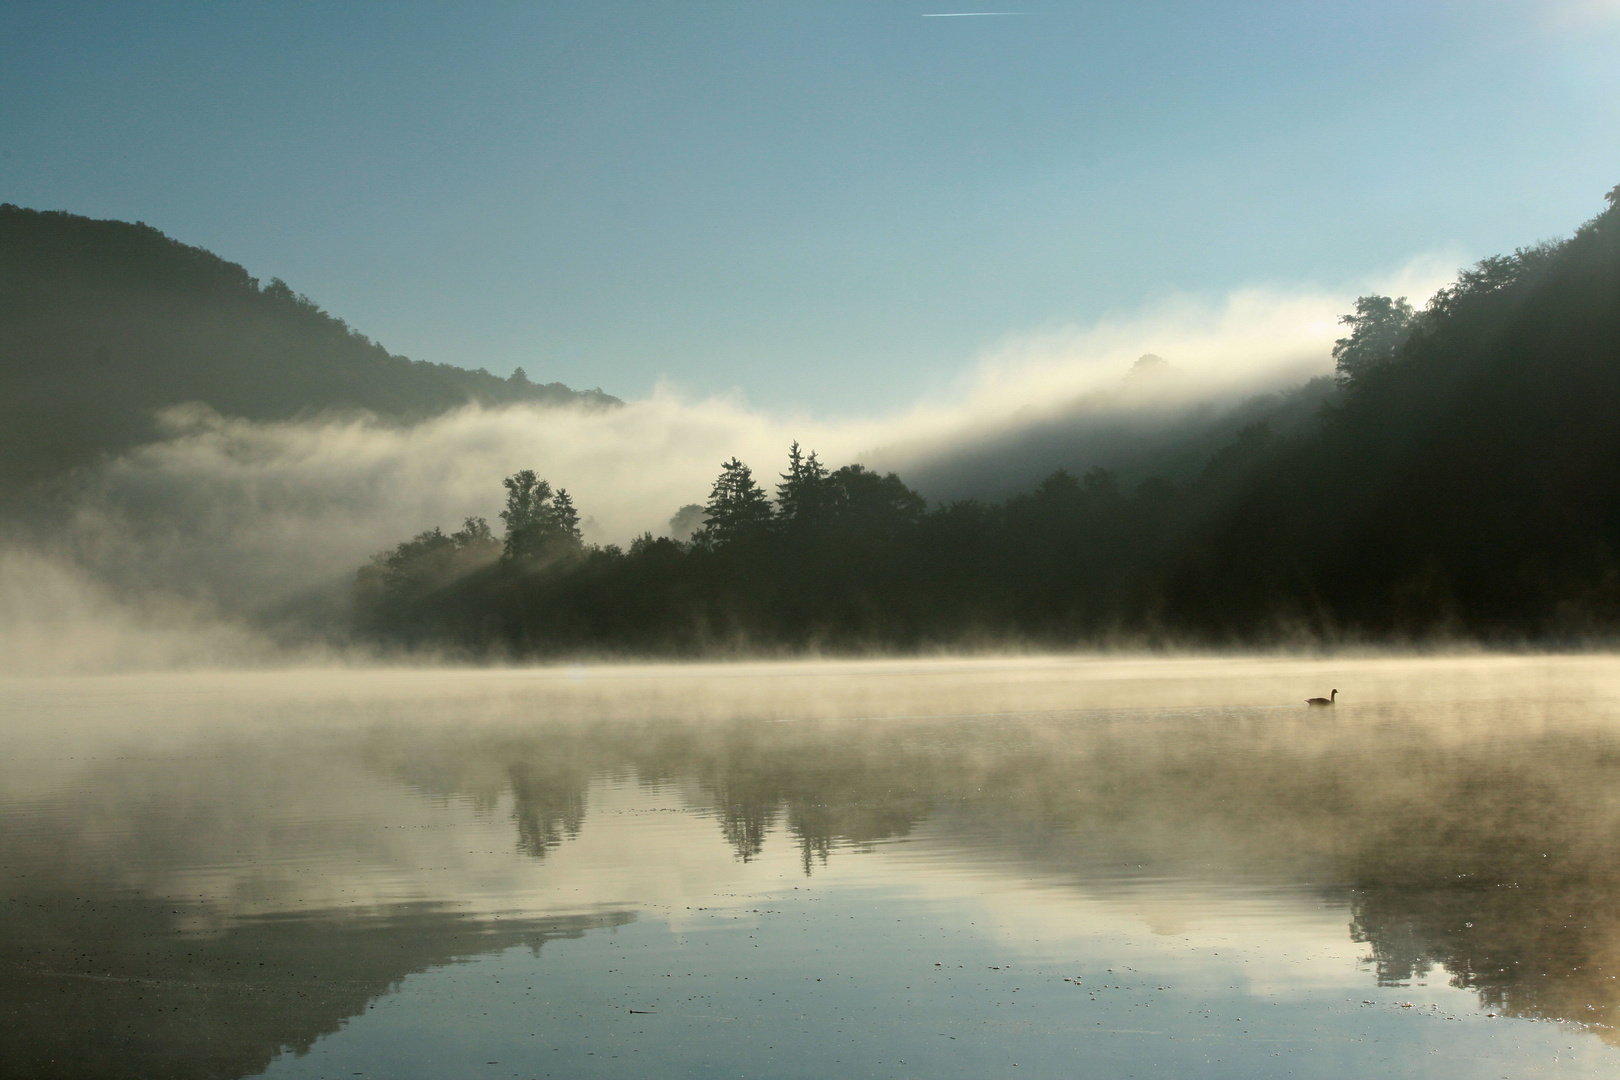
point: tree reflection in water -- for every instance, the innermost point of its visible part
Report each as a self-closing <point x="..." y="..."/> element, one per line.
<point x="1456" y="842"/>
<point x="1476" y="838"/>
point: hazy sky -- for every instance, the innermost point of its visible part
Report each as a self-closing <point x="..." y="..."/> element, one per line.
<point x="831" y="207"/>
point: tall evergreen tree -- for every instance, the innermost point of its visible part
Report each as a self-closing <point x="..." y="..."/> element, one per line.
<point x="564" y="517"/>
<point x="737" y="506"/>
<point x="802" y="496"/>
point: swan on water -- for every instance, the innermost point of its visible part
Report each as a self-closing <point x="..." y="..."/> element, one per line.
<point x="1314" y="701"/>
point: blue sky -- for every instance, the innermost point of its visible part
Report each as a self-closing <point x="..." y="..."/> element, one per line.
<point x="830" y="207"/>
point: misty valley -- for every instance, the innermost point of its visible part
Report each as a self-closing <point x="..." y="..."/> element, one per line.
<point x="243" y="453"/>
<point x="1461" y="483"/>
<point x="1222" y="687"/>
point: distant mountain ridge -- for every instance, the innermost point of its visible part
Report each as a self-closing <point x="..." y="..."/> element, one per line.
<point x="102" y="323"/>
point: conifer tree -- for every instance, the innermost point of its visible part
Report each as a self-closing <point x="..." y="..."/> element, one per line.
<point x="737" y="507"/>
<point x="564" y="517"/>
<point x="802" y="495"/>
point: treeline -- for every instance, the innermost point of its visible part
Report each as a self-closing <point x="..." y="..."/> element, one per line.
<point x="1464" y="482"/>
<point x="102" y="323"/>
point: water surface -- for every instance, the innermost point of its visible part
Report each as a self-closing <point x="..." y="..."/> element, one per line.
<point x="935" y="868"/>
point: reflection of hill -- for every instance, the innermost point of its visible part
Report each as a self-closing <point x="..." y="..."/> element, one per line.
<point x="153" y="924"/>
<point x="105" y="987"/>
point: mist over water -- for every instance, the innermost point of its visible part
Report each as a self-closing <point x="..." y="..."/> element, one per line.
<point x="809" y="868"/>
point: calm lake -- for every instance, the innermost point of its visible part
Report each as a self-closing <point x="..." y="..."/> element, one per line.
<point x="988" y="868"/>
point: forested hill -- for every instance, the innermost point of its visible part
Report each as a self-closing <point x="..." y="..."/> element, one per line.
<point x="1469" y="481"/>
<point x="1462" y="482"/>
<point x="104" y="322"/>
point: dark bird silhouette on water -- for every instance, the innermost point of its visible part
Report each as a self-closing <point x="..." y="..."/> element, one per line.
<point x="1316" y="701"/>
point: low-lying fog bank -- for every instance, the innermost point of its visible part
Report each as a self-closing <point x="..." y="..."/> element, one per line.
<point x="861" y="688"/>
<point x="229" y="534"/>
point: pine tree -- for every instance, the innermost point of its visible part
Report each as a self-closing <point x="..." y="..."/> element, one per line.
<point x="564" y="518"/>
<point x="802" y="496"/>
<point x="737" y="507"/>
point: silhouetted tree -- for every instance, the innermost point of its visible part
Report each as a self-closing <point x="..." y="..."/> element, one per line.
<point x="564" y="518"/>
<point x="428" y="561"/>
<point x="803" y="496"/>
<point x="538" y="523"/>
<point x="1378" y="328"/>
<point x="865" y="502"/>
<point x="526" y="498"/>
<point x="737" y="508"/>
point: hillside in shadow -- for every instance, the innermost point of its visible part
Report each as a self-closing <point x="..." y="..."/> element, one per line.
<point x="1135" y="441"/>
<point x="102" y="323"/>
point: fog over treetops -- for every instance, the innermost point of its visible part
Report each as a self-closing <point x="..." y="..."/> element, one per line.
<point x="183" y="444"/>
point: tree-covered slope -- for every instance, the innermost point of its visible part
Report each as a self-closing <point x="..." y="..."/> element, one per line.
<point x="104" y="322"/>
<point x="1469" y="478"/>
<point x="1461" y="480"/>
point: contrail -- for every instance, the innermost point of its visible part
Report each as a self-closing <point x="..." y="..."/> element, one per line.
<point x="968" y="14"/>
